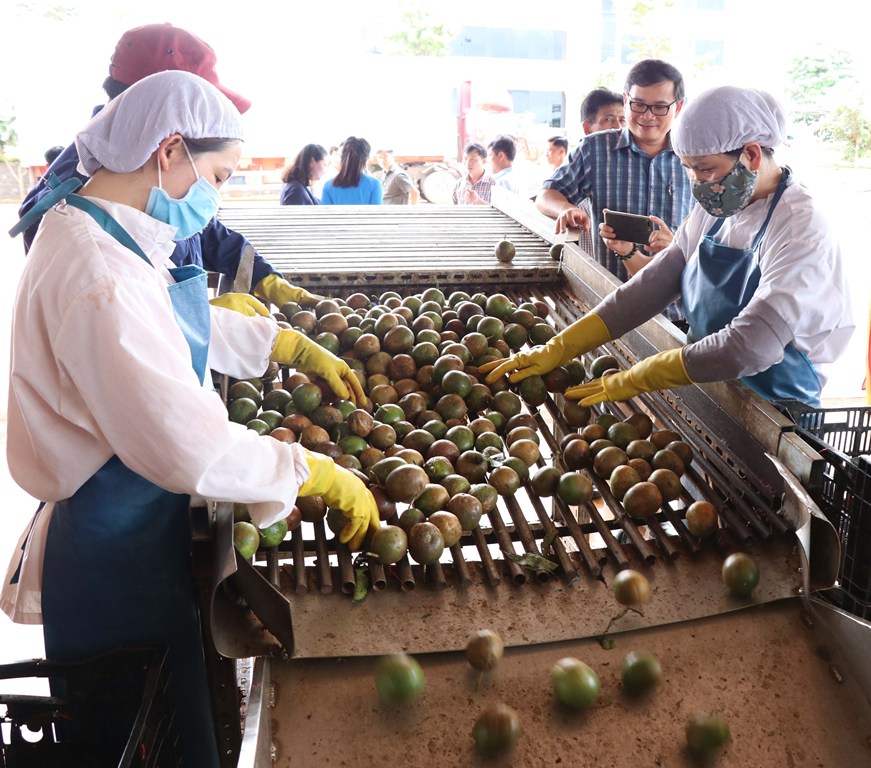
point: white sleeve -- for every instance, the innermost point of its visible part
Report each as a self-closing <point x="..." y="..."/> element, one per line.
<point x="136" y="381"/>
<point x="240" y="345"/>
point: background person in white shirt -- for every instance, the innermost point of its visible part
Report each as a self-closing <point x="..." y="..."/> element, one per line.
<point x="500" y="154"/>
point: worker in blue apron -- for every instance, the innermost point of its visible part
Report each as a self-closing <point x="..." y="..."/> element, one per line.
<point x="111" y="548"/>
<point x="758" y="271"/>
<point x="117" y="556"/>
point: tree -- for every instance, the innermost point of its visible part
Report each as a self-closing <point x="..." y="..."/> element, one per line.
<point x="420" y="34"/>
<point x="851" y="128"/>
<point x="8" y="136"/>
<point x="812" y="78"/>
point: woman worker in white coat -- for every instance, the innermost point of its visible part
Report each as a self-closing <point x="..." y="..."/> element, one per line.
<point x="757" y="268"/>
<point x="109" y="419"/>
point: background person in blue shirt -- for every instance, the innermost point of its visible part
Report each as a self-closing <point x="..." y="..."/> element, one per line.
<point x="353" y="185"/>
<point x="144" y="51"/>
<point x="632" y="169"/>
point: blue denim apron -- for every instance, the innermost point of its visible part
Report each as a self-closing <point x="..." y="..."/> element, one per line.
<point x="717" y="283"/>
<point x="117" y="566"/>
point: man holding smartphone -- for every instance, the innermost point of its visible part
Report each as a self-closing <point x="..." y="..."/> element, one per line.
<point x="632" y="169"/>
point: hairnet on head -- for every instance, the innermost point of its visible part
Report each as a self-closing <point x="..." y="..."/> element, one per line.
<point x="124" y="134"/>
<point x="727" y="118"/>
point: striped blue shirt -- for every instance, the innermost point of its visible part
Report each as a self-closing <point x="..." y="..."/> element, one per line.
<point x="611" y="170"/>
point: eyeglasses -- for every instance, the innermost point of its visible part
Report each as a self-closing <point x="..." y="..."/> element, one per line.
<point x="660" y="110"/>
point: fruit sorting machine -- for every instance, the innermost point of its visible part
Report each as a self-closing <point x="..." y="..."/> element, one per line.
<point x="785" y="668"/>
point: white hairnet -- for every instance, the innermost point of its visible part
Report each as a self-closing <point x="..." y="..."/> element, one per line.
<point x="124" y="134"/>
<point x="727" y="118"/>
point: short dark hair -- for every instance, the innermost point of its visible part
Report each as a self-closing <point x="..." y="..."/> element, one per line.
<point x="114" y="87"/>
<point x="478" y="149"/>
<point x="559" y="141"/>
<point x="506" y="144"/>
<point x="51" y="153"/>
<point x="298" y="170"/>
<point x="595" y="100"/>
<point x="653" y="71"/>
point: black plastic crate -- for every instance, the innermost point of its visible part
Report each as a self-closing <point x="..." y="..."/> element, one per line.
<point x="842" y="436"/>
<point x="110" y="712"/>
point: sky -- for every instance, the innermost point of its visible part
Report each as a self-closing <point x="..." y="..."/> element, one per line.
<point x="301" y="64"/>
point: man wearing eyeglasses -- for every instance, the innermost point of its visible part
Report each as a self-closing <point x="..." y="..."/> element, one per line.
<point x="632" y="169"/>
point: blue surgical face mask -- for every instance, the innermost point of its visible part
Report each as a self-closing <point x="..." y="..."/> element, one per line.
<point x="191" y="213"/>
<point x="727" y="196"/>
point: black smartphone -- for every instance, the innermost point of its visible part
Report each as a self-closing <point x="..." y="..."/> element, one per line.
<point x="629" y="226"/>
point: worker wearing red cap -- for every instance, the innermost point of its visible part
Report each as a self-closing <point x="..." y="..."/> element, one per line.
<point x="145" y="51"/>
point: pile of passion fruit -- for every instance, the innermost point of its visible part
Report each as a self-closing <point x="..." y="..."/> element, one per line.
<point x="436" y="444"/>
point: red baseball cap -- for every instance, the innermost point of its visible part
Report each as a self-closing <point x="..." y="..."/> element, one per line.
<point x="156" y="48"/>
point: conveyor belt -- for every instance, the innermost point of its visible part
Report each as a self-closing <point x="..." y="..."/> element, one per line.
<point x="336" y="249"/>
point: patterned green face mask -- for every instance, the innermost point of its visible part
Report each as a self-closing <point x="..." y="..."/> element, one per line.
<point x="727" y="196"/>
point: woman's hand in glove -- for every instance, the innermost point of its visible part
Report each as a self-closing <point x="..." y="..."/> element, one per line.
<point x="292" y="348"/>
<point x="343" y="490"/>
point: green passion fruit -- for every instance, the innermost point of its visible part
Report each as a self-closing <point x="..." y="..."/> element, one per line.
<point x="399" y="678"/>
<point x="389" y="544"/>
<point x="706" y="735"/>
<point x="740" y="574"/>
<point x="575" y="683"/>
<point x="640" y="672"/>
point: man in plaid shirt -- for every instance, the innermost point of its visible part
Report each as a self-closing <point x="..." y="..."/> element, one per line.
<point x="475" y="187"/>
<point x="632" y="169"/>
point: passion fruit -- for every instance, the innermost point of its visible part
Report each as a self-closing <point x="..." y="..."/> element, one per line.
<point x="505" y="480"/>
<point x="602" y="364"/>
<point x="406" y="483"/>
<point x="546" y="481"/>
<point x="666" y="459"/>
<point x="467" y="509"/>
<point x="432" y="498"/>
<point x="622" y="479"/>
<point x="496" y="730"/>
<point x="576" y="454"/>
<point x="574" y="489"/>
<point x="608" y="459"/>
<point x="706" y="735"/>
<point x="701" y="519"/>
<point x="667" y="482"/>
<point x="399" y="678"/>
<point x="630" y="587"/>
<point x="640" y="672"/>
<point x="642" y="500"/>
<point x="505" y="251"/>
<point x="425" y="543"/>
<point x="449" y="525"/>
<point x="484" y="650"/>
<point x="740" y="574"/>
<point x="576" y="415"/>
<point x="246" y="539"/>
<point x="575" y="683"/>
<point x="389" y="544"/>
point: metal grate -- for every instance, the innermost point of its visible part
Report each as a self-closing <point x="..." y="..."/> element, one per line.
<point x="582" y="540"/>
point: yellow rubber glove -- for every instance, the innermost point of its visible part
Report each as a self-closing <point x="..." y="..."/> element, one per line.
<point x="292" y="348"/>
<point x="581" y="336"/>
<point x="341" y="489"/>
<point x="243" y="303"/>
<point x="276" y="289"/>
<point x="661" y="371"/>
